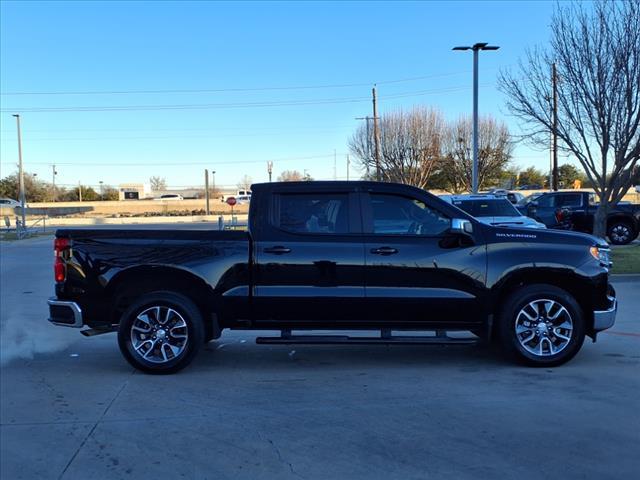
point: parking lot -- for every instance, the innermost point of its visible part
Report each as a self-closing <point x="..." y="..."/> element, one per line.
<point x="72" y="408"/>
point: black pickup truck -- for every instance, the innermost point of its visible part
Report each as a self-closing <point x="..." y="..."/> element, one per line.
<point x="352" y="256"/>
<point x="576" y="210"/>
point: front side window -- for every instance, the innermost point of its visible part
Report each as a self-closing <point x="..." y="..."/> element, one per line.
<point x="397" y="215"/>
<point x="314" y="213"/>
<point x="571" y="200"/>
<point x="547" y="201"/>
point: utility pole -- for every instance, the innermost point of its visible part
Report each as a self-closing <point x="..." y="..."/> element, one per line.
<point x="206" y="189"/>
<point x="23" y="198"/>
<point x="269" y="169"/>
<point x="476" y="50"/>
<point x="348" y="162"/>
<point x="53" y="181"/>
<point x="101" y="194"/>
<point x="376" y="133"/>
<point x="79" y="190"/>
<point x="554" y="80"/>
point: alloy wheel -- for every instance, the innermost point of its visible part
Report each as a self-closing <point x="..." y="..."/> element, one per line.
<point x="544" y="327"/>
<point x="159" y="334"/>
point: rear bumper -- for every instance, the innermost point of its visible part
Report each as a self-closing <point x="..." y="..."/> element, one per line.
<point x="603" y="319"/>
<point x="65" y="313"/>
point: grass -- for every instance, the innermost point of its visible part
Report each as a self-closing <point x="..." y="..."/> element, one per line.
<point x="626" y="259"/>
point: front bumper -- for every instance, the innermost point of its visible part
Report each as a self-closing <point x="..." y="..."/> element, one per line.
<point x="603" y="319"/>
<point x="65" y="313"/>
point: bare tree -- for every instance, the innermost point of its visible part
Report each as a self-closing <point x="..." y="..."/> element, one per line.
<point x="293" y="176"/>
<point x="245" y="183"/>
<point x="410" y="145"/>
<point x="157" y="183"/>
<point x="597" y="56"/>
<point x="494" y="153"/>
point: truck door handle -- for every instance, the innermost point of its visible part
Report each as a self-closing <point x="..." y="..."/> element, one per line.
<point x="384" y="251"/>
<point x="279" y="250"/>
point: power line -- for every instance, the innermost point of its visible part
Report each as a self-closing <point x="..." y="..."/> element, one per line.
<point x="208" y="106"/>
<point x="221" y="90"/>
<point x="173" y="164"/>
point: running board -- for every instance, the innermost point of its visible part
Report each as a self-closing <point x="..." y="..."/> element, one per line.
<point x="384" y="339"/>
<point x="92" y="332"/>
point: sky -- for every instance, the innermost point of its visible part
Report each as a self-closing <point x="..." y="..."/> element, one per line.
<point x="141" y="89"/>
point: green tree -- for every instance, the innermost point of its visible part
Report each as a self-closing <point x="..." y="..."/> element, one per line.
<point x="88" y="195"/>
<point x="531" y="176"/>
<point x="567" y="174"/>
<point x="35" y="190"/>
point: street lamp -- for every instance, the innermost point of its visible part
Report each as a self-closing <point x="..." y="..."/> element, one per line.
<point x="476" y="48"/>
<point x="22" y="230"/>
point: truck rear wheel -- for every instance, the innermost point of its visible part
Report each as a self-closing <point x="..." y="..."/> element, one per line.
<point x="161" y="332"/>
<point x="620" y="232"/>
<point x="541" y="326"/>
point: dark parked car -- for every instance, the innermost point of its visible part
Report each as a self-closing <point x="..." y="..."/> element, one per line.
<point x="576" y="210"/>
<point x="336" y="256"/>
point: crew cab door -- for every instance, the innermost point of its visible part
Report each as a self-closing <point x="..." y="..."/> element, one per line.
<point x="416" y="271"/>
<point x="309" y="257"/>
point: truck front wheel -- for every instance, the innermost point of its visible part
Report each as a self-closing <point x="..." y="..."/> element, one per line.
<point x="161" y="332"/>
<point x="541" y="326"/>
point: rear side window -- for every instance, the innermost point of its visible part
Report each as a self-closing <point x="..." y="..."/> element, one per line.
<point x="314" y="213"/>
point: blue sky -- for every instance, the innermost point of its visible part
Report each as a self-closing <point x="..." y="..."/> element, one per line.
<point x="251" y="53"/>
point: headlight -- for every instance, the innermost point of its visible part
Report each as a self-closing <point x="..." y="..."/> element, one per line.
<point x="601" y="254"/>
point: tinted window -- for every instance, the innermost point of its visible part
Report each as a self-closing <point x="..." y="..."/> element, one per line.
<point x="398" y="215"/>
<point x="547" y="201"/>
<point x="314" y="213"/>
<point x="487" y="208"/>
<point x="570" y="200"/>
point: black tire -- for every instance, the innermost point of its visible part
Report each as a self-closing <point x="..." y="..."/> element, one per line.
<point x="537" y="298"/>
<point x="620" y="232"/>
<point x="186" y="319"/>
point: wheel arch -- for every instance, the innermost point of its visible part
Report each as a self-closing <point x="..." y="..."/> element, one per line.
<point x="568" y="281"/>
<point x="133" y="282"/>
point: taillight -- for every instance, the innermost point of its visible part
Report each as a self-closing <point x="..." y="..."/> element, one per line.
<point x="59" y="268"/>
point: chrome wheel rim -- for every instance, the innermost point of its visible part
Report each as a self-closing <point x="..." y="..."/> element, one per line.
<point x="620" y="233"/>
<point x="159" y="334"/>
<point x="544" y="327"/>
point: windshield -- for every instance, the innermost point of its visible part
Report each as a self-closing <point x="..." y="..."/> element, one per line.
<point x="488" y="208"/>
<point x="528" y="199"/>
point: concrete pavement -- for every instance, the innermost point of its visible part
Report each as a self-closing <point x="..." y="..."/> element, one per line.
<point x="72" y="408"/>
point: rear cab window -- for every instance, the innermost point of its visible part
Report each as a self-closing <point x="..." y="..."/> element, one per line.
<point x="313" y="213"/>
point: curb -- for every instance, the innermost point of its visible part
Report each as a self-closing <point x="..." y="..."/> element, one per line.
<point x="625" y="277"/>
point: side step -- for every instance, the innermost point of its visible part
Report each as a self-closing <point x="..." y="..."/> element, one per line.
<point x="384" y="339"/>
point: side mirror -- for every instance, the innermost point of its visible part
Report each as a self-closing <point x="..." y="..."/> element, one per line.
<point x="460" y="226"/>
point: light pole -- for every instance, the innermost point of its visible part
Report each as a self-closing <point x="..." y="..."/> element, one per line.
<point x="213" y="182"/>
<point x="476" y="49"/>
<point x="23" y="199"/>
<point x="269" y="169"/>
<point x="101" y="196"/>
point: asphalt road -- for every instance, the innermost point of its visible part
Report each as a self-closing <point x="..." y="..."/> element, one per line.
<point x="72" y="408"/>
